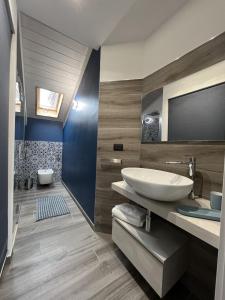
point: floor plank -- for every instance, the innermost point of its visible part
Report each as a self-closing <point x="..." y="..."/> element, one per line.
<point x="63" y="258"/>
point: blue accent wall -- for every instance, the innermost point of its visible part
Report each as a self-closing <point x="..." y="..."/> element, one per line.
<point x="80" y="139"/>
<point x="5" y="43"/>
<point x="19" y="128"/>
<point x="44" y="130"/>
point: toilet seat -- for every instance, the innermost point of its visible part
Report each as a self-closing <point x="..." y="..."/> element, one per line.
<point x="45" y="172"/>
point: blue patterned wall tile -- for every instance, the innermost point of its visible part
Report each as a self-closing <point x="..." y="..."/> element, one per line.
<point x="38" y="155"/>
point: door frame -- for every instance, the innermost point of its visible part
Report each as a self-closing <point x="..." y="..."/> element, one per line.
<point x="12" y="14"/>
<point x="220" y="276"/>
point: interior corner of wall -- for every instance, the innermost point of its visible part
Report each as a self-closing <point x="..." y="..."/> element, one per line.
<point x="180" y="34"/>
<point x="87" y="57"/>
<point x="12" y="11"/>
<point x="121" y="62"/>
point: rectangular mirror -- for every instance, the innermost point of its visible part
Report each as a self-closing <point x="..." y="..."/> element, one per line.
<point x="199" y="115"/>
<point x="191" y="109"/>
<point x="151" y="116"/>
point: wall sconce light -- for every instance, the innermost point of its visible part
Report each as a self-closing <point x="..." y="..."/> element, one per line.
<point x="75" y="104"/>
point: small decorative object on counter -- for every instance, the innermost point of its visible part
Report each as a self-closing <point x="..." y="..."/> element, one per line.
<point x="216" y="200"/>
<point x="198" y="212"/>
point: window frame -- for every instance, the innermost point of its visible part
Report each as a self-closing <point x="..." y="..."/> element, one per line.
<point x="48" y="112"/>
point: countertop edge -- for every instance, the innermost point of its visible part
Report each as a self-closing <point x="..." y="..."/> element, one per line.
<point x="194" y="226"/>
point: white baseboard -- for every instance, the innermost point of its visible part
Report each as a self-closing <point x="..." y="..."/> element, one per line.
<point x="3" y="265"/>
<point x="10" y="251"/>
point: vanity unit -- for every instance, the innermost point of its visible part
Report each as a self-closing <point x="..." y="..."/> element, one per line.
<point x="161" y="255"/>
<point x="206" y="230"/>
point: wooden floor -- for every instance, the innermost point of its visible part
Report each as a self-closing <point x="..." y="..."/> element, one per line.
<point x="63" y="258"/>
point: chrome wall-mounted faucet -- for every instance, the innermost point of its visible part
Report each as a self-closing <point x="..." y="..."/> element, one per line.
<point x="191" y="163"/>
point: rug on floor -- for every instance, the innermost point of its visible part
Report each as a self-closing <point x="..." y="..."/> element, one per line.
<point x="51" y="206"/>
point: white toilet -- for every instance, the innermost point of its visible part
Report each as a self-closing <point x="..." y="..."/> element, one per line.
<point x="45" y="176"/>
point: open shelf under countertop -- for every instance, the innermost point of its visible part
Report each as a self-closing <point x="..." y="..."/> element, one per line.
<point x="206" y="230"/>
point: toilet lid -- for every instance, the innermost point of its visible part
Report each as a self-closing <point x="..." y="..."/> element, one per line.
<point x="45" y="171"/>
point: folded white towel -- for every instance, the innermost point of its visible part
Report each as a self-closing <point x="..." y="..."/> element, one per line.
<point x="129" y="213"/>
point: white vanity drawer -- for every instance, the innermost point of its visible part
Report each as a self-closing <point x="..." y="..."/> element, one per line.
<point x="162" y="273"/>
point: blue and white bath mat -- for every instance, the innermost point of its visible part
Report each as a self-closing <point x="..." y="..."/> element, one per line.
<point x="51" y="206"/>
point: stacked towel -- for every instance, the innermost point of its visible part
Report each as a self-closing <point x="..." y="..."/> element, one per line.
<point x="129" y="213"/>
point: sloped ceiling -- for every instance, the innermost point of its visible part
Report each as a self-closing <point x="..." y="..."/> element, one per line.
<point x="142" y="19"/>
<point x="55" y="56"/>
<point x="94" y="22"/>
<point x="87" y="21"/>
<point x="51" y="61"/>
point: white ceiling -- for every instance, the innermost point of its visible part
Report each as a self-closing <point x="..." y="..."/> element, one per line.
<point x="58" y="37"/>
<point x="143" y="18"/>
<point x="51" y="61"/>
<point x="86" y="21"/>
<point x="94" y="22"/>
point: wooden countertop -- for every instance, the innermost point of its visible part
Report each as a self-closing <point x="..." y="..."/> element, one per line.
<point x="206" y="230"/>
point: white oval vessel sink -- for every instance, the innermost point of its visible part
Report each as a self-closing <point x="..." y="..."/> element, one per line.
<point x="157" y="185"/>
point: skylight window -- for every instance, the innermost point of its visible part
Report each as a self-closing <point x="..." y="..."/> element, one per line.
<point x="18" y="99"/>
<point x="48" y="103"/>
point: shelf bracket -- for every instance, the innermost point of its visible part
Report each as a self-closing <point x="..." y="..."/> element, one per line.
<point x="148" y="220"/>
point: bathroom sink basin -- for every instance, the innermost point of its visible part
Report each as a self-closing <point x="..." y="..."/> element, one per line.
<point x="157" y="185"/>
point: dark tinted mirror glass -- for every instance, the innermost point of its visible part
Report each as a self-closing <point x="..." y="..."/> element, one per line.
<point x="198" y="116"/>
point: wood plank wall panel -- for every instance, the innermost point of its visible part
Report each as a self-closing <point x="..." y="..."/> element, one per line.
<point x="200" y="277"/>
<point x="119" y="122"/>
<point x="200" y="58"/>
<point x="210" y="158"/>
<point x="210" y="161"/>
<point x="51" y="61"/>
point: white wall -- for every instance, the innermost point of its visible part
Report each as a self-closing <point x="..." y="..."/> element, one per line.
<point x="190" y="27"/>
<point x="121" y="62"/>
